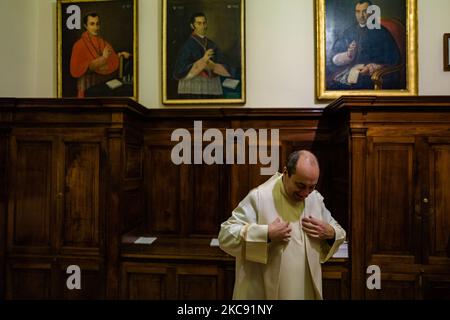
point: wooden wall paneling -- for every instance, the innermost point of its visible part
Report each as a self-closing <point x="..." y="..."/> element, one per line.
<point x="114" y="207"/>
<point x="340" y="167"/>
<point x="421" y="210"/>
<point x="339" y="184"/>
<point x="92" y="279"/>
<point x="335" y="283"/>
<point x="133" y="161"/>
<point x="134" y="217"/>
<point x="31" y="209"/>
<point x="401" y="196"/>
<point x="207" y="192"/>
<point x="82" y="218"/>
<point x="147" y="281"/>
<point x="4" y="137"/>
<point x="397" y="286"/>
<point x="133" y="188"/>
<point x="29" y="279"/>
<point x="135" y="148"/>
<point x="391" y="211"/>
<point x="436" y="287"/>
<point x="438" y="220"/>
<point x="356" y="232"/>
<point x="199" y="282"/>
<point x="239" y="184"/>
<point x="165" y="190"/>
<point x="229" y="278"/>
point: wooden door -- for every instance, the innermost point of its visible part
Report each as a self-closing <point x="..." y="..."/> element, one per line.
<point x="393" y="222"/>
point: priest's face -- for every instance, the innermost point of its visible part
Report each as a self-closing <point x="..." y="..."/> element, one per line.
<point x="200" y="26"/>
<point x="361" y="13"/>
<point x="301" y="183"/>
<point x="93" y="25"/>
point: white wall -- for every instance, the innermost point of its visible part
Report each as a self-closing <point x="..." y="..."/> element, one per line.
<point x="279" y="51"/>
<point x="433" y="23"/>
<point x="18" y="21"/>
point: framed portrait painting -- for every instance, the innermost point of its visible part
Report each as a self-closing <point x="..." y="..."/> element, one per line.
<point x="366" y="48"/>
<point x="203" y="52"/>
<point x="97" y="48"/>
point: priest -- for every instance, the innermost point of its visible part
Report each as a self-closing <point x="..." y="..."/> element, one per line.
<point x="280" y="233"/>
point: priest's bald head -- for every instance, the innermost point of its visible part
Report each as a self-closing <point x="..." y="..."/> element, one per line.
<point x="300" y="175"/>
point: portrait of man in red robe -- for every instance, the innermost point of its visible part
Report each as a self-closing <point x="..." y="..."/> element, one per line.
<point x="98" y="55"/>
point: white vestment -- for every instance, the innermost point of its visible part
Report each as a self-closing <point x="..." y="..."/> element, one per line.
<point x="258" y="263"/>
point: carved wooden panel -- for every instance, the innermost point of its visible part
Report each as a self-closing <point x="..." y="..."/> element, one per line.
<point x="199" y="283"/>
<point x="436" y="287"/>
<point x="390" y="177"/>
<point x="144" y="282"/>
<point x="91" y="278"/>
<point x="229" y="275"/>
<point x="31" y="203"/>
<point x="166" y="197"/>
<point x="335" y="284"/>
<point x="81" y="218"/>
<point x="3" y="204"/>
<point x="133" y="162"/>
<point x="208" y="191"/>
<point x="396" y="287"/>
<point x="28" y="280"/>
<point x="439" y="172"/>
<point x="197" y="287"/>
<point x="134" y="214"/>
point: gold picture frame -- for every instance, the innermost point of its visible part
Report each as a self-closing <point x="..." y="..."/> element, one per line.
<point x="203" y="52"/>
<point x="345" y="67"/>
<point x="97" y="48"/>
<point x="446" y="65"/>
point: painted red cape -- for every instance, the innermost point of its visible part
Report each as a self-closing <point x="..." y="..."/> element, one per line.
<point x="87" y="49"/>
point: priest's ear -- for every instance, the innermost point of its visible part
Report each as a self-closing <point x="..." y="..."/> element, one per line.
<point x="285" y="170"/>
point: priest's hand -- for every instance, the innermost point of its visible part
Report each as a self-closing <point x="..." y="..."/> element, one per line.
<point x="279" y="231"/>
<point x="317" y="228"/>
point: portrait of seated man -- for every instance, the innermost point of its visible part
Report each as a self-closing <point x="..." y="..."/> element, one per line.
<point x="359" y="51"/>
<point x="94" y="62"/>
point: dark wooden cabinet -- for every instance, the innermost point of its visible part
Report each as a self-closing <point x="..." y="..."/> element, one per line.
<point x="399" y="164"/>
<point x="77" y="177"/>
<point x="56" y="201"/>
<point x="56" y="196"/>
<point x="65" y="168"/>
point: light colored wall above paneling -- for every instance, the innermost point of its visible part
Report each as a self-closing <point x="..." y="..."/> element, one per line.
<point x="280" y="50"/>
